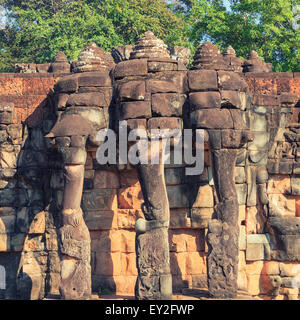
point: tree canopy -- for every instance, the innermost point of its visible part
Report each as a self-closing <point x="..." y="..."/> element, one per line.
<point x="36" y="30"/>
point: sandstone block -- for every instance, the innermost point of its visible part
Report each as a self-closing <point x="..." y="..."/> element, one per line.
<point x="178" y="263"/>
<point x="195" y="263"/>
<point x="178" y="196"/>
<point x="212" y="119"/>
<point x="94" y="79"/>
<point x="179" y="218"/>
<point x="255" y="220"/>
<point x="125" y="285"/>
<point x="67" y="84"/>
<point x="258" y="247"/>
<point x="241" y="190"/>
<point x="239" y="175"/>
<point x="137" y="124"/>
<point x="122" y="241"/>
<point x="167" y="82"/>
<point x="242" y="238"/>
<point x="38" y="224"/>
<point x="231" y="138"/>
<point x="104" y="179"/>
<point x="99" y="199"/>
<point x="231" y="81"/>
<point x="279" y="184"/>
<point x="6" y="113"/>
<point x="88" y="99"/>
<point x="126" y="218"/>
<point x="130" y="197"/>
<point x="160" y="66"/>
<point x="204" y="100"/>
<point x="281" y="205"/>
<point x="265" y="100"/>
<point x="174" y="176"/>
<point x="136" y="109"/>
<point x="7" y="224"/>
<point x="100" y="219"/>
<point x="230" y="99"/>
<point x="4" y="242"/>
<point x="168" y="104"/>
<point x="131" y="68"/>
<point x="8" y="159"/>
<point x="200" y="217"/>
<point x="295" y="185"/>
<point x="164" y="123"/>
<point x="186" y="241"/>
<point x="132" y="90"/>
<point x="204" y="197"/>
<point x="202" y="80"/>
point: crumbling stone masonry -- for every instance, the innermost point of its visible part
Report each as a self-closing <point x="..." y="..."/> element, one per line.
<point x="71" y="226"/>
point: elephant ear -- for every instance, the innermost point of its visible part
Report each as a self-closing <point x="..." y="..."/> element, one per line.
<point x="71" y="125"/>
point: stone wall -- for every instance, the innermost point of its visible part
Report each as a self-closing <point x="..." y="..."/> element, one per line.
<point x="32" y="185"/>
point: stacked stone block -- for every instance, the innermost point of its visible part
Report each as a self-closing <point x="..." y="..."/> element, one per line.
<point x="266" y="182"/>
<point x="217" y="105"/>
<point x="82" y="101"/>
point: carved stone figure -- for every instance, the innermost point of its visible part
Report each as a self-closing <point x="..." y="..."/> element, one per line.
<point x="151" y="95"/>
<point x="82" y="102"/>
<point x="256" y="64"/>
<point x="217" y="100"/>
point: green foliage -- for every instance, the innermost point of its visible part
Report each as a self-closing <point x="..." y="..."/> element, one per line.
<point x="261" y="25"/>
<point x="37" y="30"/>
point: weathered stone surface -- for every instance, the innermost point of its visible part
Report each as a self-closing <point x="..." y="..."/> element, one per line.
<point x="67" y="84"/>
<point x="163" y="82"/>
<point x="285" y="225"/>
<point x="208" y="56"/>
<point x="202" y="80"/>
<point x="158" y="66"/>
<point x="99" y="199"/>
<point x="149" y="46"/>
<point x="135" y="109"/>
<point x="164" y="123"/>
<point x="265" y="100"/>
<point x="178" y="196"/>
<point x="132" y="90"/>
<point x="6" y="113"/>
<point x="212" y="119"/>
<point x="231" y="138"/>
<point x="168" y="104"/>
<point x="87" y="99"/>
<point x="204" y="100"/>
<point x="94" y="79"/>
<point x="200" y="217"/>
<point x="281" y="205"/>
<point x="255" y="64"/>
<point x="231" y="81"/>
<point x="258" y="247"/>
<point x="204" y="197"/>
<point x="231" y="99"/>
<point x="92" y="58"/>
<point x="130" y="68"/>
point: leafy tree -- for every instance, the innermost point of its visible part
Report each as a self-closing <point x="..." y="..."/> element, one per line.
<point x="262" y="25"/>
<point x="37" y="30"/>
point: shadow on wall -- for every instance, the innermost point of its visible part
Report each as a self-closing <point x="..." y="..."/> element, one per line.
<point x="28" y="213"/>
